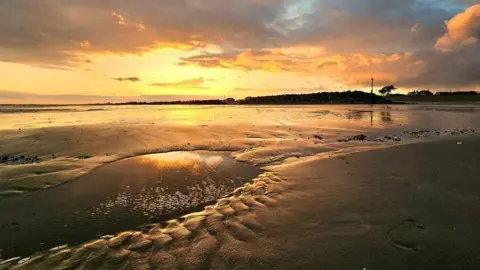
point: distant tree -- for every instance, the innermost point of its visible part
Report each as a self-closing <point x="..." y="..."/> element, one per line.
<point x="387" y="90"/>
<point x="425" y="93"/>
<point x="414" y="93"/>
<point x="421" y="93"/>
<point x="458" y="93"/>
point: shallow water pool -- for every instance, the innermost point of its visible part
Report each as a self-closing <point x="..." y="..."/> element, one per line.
<point x="118" y="196"/>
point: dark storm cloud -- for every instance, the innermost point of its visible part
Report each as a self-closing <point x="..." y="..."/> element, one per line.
<point x="398" y="42"/>
<point x="372" y="26"/>
<point x="447" y="70"/>
<point x="47" y="32"/>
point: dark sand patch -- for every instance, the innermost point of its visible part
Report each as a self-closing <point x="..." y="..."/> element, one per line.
<point x="118" y="196"/>
<point x="16" y="160"/>
<point x="406" y="207"/>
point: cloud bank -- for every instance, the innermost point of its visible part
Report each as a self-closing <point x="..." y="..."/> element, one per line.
<point x="410" y="43"/>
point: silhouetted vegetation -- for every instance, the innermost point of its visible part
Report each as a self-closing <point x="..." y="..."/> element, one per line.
<point x="349" y="97"/>
<point x="387" y="90"/>
<point x="429" y="93"/>
<point x="428" y="96"/>
<point x="188" y="102"/>
<point x="458" y="93"/>
<point x="420" y="93"/>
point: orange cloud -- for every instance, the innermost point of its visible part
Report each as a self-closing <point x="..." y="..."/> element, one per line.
<point x="353" y="70"/>
<point x="119" y="18"/>
<point x="191" y="83"/>
<point x="462" y="30"/>
<point x="124" y="27"/>
<point x="85" y="44"/>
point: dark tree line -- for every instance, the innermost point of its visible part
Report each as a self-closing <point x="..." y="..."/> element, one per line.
<point x="349" y="97"/>
<point x="189" y="102"/>
<point x="458" y="93"/>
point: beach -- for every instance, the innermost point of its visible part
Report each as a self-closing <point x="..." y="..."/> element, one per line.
<point x="333" y="188"/>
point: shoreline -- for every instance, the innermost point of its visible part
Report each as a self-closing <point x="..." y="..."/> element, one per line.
<point x="200" y="105"/>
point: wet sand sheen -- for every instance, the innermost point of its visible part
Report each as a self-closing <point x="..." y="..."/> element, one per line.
<point x="119" y="196"/>
<point x="315" y="212"/>
<point x="395" y="208"/>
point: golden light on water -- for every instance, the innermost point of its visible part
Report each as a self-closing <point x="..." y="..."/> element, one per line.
<point x="189" y="161"/>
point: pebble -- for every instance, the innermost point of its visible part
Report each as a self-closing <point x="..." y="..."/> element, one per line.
<point x="360" y="137"/>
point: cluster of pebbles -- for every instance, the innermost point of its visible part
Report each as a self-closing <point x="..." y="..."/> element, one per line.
<point x="19" y="160"/>
<point x="422" y="133"/>
<point x="186" y="242"/>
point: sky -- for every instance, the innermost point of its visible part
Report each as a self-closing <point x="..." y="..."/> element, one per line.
<point x="82" y="51"/>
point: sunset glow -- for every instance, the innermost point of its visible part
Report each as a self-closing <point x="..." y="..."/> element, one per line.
<point x="99" y="51"/>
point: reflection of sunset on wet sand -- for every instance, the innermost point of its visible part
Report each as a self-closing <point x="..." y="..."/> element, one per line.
<point x="131" y="165"/>
<point x="188" y="161"/>
<point x="129" y="192"/>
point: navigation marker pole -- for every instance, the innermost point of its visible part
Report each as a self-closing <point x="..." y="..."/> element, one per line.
<point x="372" y="101"/>
<point x="372" y="90"/>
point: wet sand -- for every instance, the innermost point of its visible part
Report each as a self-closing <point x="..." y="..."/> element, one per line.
<point x="44" y="149"/>
<point x="405" y="207"/>
<point x="119" y="196"/>
<point x="268" y="223"/>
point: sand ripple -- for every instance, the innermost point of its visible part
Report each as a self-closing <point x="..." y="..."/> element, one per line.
<point x="187" y="242"/>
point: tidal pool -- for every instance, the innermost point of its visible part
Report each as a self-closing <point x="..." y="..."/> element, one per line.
<point x="118" y="196"/>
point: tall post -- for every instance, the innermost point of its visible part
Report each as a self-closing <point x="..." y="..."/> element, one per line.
<point x="372" y="85"/>
<point x="372" y="91"/>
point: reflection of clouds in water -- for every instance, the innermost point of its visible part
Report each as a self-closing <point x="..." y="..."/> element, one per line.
<point x="189" y="161"/>
<point x="170" y="183"/>
<point x="213" y="161"/>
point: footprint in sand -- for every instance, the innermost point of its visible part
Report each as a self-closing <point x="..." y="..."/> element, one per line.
<point x="407" y="235"/>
